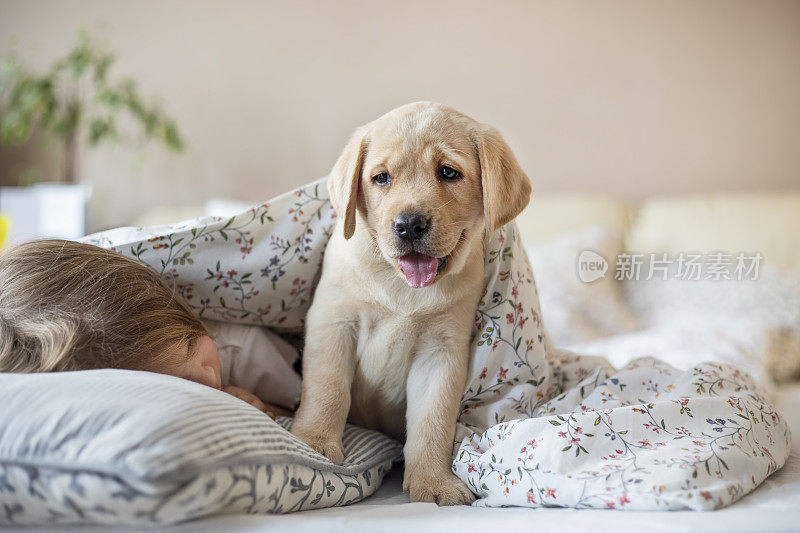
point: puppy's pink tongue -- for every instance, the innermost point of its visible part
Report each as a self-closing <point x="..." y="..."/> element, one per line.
<point x="420" y="270"/>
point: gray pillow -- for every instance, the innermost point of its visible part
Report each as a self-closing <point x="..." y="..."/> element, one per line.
<point x="136" y="448"/>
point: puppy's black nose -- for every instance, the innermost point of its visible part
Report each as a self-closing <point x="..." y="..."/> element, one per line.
<point x="411" y="226"/>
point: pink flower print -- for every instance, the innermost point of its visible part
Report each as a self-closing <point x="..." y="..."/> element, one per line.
<point x="514" y="292"/>
<point x="705" y="494"/>
<point x="519" y="308"/>
<point x="501" y="375"/>
<point x="550" y="493"/>
<point x="531" y="497"/>
<point x="510" y="318"/>
<point x="735" y="403"/>
<point x="483" y="373"/>
<point x="232" y="272"/>
<point x="562" y="434"/>
<point x="471" y="468"/>
<point x="623" y="500"/>
<point x="578" y="430"/>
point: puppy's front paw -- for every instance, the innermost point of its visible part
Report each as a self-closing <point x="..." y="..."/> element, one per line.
<point x="443" y="489"/>
<point x="330" y="447"/>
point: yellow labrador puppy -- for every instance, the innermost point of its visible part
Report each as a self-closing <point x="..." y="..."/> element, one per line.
<point x="387" y="344"/>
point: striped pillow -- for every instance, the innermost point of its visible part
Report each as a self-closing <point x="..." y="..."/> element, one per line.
<point x="136" y="448"/>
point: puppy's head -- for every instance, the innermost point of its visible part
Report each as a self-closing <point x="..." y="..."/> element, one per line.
<point x="426" y="179"/>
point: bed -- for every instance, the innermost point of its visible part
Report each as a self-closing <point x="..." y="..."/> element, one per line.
<point x="620" y="320"/>
<point x="772" y="507"/>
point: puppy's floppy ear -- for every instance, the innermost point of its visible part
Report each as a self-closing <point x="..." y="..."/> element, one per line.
<point x="506" y="188"/>
<point x="344" y="179"/>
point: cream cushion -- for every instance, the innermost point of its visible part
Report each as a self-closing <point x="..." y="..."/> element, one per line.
<point x="748" y="222"/>
<point x="552" y="215"/>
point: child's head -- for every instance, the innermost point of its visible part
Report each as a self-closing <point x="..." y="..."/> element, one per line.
<point x="71" y="306"/>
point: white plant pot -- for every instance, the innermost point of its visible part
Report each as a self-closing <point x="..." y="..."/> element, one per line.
<point x="44" y="210"/>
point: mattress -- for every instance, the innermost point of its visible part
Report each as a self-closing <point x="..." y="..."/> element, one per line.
<point x="772" y="507"/>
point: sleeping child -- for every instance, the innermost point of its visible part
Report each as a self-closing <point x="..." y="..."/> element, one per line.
<point x="71" y="306"/>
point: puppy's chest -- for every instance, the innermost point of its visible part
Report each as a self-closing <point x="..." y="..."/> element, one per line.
<point x="386" y="347"/>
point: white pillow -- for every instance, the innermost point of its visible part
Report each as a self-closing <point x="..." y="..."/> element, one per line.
<point x="134" y="448"/>
<point x="575" y="311"/>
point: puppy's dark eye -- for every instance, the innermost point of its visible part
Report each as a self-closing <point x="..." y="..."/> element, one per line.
<point x="449" y="174"/>
<point x="382" y="179"/>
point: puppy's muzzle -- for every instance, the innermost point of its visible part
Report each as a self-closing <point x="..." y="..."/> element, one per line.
<point x="411" y="226"/>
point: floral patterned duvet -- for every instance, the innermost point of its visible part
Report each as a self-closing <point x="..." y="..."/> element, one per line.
<point x="538" y="426"/>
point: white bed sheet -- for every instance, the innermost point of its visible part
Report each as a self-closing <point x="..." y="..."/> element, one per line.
<point x="775" y="506"/>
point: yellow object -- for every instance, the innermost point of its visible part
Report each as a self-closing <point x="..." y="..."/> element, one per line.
<point x="5" y="222"/>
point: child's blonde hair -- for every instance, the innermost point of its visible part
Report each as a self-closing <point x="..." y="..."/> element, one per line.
<point x="71" y="306"/>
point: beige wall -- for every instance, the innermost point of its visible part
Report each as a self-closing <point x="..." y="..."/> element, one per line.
<point x="629" y="98"/>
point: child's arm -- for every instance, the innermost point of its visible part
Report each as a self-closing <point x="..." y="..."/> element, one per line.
<point x="259" y="363"/>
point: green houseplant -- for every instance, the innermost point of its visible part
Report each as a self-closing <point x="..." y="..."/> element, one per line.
<point x="76" y="101"/>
